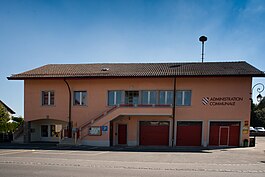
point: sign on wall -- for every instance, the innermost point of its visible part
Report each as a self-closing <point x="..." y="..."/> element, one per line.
<point x="94" y="131"/>
<point x="221" y="101"/>
<point x="104" y="129"/>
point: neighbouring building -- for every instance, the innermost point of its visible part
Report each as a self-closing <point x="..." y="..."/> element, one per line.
<point x="5" y="135"/>
<point x="7" y="108"/>
<point x="140" y="104"/>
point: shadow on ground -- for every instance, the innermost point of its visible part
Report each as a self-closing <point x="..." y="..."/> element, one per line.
<point x="55" y="146"/>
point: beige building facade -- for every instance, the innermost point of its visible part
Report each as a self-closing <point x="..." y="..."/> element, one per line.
<point x="189" y="104"/>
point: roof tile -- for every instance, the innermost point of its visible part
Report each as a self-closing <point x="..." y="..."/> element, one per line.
<point x="141" y="70"/>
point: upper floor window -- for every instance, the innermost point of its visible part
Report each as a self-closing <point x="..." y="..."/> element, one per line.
<point x="131" y="97"/>
<point x="166" y="97"/>
<point x="80" y="98"/>
<point x="47" y="98"/>
<point x="114" y="97"/>
<point x="149" y="97"/>
<point x="183" y="97"/>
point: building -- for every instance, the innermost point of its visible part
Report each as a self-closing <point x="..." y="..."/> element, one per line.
<point x="133" y="104"/>
<point x="7" y="108"/>
<point x="5" y="134"/>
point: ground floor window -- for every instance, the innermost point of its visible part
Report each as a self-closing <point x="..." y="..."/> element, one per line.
<point x="44" y="130"/>
<point x="53" y="132"/>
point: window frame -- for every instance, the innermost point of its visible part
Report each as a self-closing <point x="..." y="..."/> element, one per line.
<point x="149" y="97"/>
<point x="165" y="100"/>
<point x="131" y="97"/>
<point x="115" y="97"/>
<point x="50" y="97"/>
<point x="183" y="95"/>
<point x="80" y="98"/>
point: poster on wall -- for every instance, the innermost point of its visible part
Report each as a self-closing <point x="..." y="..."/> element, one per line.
<point x="94" y="131"/>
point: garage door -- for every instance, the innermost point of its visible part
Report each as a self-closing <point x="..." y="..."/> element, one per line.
<point x="189" y="133"/>
<point x="224" y="134"/>
<point x="154" y="133"/>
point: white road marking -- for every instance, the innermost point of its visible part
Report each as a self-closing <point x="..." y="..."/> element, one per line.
<point x="15" y="152"/>
<point x="68" y="153"/>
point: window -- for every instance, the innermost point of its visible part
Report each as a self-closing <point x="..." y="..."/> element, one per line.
<point x="44" y="130"/>
<point x="149" y="97"/>
<point x="183" y="97"/>
<point x="131" y="97"/>
<point x="114" y="98"/>
<point x="166" y="97"/>
<point x="53" y="133"/>
<point x="47" y="98"/>
<point x="80" y="98"/>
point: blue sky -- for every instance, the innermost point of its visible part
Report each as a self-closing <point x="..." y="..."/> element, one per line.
<point x="35" y="33"/>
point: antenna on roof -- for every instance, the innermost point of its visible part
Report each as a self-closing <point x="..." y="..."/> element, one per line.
<point x="203" y="39"/>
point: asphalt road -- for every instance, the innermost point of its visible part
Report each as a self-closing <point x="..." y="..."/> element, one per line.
<point x="39" y="160"/>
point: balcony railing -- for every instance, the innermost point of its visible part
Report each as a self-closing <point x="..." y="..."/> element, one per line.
<point x="84" y="128"/>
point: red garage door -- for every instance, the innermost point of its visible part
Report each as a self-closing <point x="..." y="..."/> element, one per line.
<point x="224" y="134"/>
<point x="189" y="133"/>
<point x="154" y="133"/>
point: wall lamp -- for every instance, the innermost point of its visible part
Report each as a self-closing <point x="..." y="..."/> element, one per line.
<point x="260" y="88"/>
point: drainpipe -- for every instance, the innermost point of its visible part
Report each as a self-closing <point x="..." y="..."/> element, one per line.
<point x="70" y="110"/>
<point x="173" y="113"/>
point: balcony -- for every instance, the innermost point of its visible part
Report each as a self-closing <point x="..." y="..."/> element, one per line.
<point x="133" y="109"/>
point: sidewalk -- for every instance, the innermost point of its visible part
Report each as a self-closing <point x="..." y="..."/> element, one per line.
<point x="260" y="146"/>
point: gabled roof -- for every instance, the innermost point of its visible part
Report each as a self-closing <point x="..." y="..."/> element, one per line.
<point x="240" y="68"/>
<point x="7" y="108"/>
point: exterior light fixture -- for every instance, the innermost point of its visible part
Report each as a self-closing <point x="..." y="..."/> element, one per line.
<point x="203" y="39"/>
<point x="259" y="97"/>
<point x="259" y="90"/>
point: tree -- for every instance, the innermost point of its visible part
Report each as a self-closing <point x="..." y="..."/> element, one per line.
<point x="261" y="104"/>
<point x="253" y="118"/>
<point x="4" y="118"/>
<point x="260" y="118"/>
<point x="17" y="121"/>
<point x="258" y="114"/>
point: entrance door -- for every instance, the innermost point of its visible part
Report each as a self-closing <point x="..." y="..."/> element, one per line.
<point x="122" y="134"/>
<point x="224" y="136"/>
<point x="224" y="133"/>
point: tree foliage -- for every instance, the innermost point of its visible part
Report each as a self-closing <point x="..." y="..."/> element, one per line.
<point x="17" y="121"/>
<point x="4" y="118"/>
<point x="258" y="114"/>
<point x="6" y="125"/>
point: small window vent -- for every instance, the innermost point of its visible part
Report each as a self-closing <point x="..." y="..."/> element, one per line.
<point x="104" y="69"/>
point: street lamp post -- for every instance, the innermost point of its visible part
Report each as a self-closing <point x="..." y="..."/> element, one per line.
<point x="260" y="88"/>
<point x="203" y="39"/>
